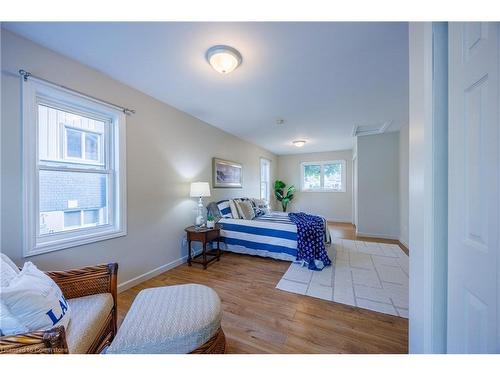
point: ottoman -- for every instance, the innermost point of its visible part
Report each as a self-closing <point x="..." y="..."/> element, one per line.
<point x="173" y="319"/>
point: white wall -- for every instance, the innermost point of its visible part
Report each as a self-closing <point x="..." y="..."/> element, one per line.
<point x="404" y="193"/>
<point x="334" y="206"/>
<point x="166" y="150"/>
<point x="378" y="185"/>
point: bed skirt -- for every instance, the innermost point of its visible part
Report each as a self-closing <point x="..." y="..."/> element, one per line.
<point x="262" y="253"/>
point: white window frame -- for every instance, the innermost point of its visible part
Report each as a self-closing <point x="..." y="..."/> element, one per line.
<point x="322" y="164"/>
<point x="36" y="92"/>
<point x="268" y="192"/>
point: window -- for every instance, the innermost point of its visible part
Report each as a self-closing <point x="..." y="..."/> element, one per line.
<point x="326" y="176"/>
<point x="81" y="218"/>
<point x="265" y="172"/>
<point x="83" y="145"/>
<point x="74" y="169"/>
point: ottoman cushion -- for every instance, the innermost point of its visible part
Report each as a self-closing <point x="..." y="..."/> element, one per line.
<point x="173" y="319"/>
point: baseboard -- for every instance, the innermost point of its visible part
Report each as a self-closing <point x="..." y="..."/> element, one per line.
<point x="150" y="274"/>
<point x="404" y="247"/>
<point x="373" y="235"/>
<point x="337" y="221"/>
<point x="403" y="243"/>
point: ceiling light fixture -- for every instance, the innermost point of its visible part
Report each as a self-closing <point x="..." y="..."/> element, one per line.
<point x="223" y="59"/>
<point x="299" y="143"/>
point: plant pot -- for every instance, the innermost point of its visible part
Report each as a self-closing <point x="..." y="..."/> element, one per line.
<point x="210" y="224"/>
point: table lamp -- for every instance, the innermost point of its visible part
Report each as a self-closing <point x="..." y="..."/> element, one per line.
<point x="199" y="190"/>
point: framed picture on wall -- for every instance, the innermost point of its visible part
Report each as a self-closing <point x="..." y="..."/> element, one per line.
<point x="227" y="174"/>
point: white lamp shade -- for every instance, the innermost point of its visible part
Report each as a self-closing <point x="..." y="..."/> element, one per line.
<point x="200" y="189"/>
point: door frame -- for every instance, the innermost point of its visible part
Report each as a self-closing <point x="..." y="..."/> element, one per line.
<point x="427" y="323"/>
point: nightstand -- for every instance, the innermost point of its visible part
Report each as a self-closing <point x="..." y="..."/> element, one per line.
<point x="204" y="235"/>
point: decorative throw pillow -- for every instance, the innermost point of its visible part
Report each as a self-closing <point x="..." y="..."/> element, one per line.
<point x="213" y="210"/>
<point x="35" y="300"/>
<point x="8" y="270"/>
<point x="9" y="325"/>
<point x="224" y="209"/>
<point x="234" y="209"/>
<point x="258" y="211"/>
<point x="245" y="210"/>
<point x="262" y="205"/>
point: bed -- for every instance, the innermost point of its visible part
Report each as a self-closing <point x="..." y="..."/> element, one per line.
<point x="271" y="235"/>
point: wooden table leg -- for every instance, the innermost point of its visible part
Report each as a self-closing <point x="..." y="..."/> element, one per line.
<point x="204" y="255"/>
<point x="218" y="248"/>
<point x="189" y="253"/>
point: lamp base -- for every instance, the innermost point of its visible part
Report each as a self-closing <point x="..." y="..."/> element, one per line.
<point x="200" y="220"/>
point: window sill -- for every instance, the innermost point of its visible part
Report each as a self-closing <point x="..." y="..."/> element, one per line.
<point x="73" y="242"/>
<point x="321" y="191"/>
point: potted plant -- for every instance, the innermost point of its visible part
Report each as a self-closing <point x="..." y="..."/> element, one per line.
<point x="279" y="193"/>
<point x="210" y="221"/>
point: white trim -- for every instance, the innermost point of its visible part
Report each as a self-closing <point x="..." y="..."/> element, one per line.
<point x="150" y="274"/>
<point x="359" y="133"/>
<point x="74" y="243"/>
<point x="425" y="326"/>
<point x="33" y="242"/>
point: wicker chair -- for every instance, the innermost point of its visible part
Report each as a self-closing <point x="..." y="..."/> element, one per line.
<point x="74" y="284"/>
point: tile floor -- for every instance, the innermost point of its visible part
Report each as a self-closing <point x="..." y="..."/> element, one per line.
<point x="369" y="275"/>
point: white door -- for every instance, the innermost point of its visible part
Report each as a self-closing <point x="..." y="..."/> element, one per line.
<point x="473" y="224"/>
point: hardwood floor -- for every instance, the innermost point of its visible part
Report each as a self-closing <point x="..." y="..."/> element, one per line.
<point x="348" y="231"/>
<point x="258" y="318"/>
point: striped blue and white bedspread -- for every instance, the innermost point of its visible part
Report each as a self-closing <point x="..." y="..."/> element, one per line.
<point x="272" y="235"/>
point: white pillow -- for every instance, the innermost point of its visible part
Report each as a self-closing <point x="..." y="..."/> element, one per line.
<point x="234" y="210"/>
<point x="35" y="300"/>
<point x="8" y="270"/>
<point x="245" y="210"/>
<point x="9" y="325"/>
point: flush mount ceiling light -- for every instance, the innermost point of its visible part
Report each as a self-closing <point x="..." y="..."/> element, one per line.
<point x="299" y="143"/>
<point x="223" y="59"/>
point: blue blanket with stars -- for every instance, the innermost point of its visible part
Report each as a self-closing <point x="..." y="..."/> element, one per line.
<point x="310" y="240"/>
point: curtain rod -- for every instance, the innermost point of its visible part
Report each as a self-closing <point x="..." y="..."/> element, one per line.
<point x="25" y="75"/>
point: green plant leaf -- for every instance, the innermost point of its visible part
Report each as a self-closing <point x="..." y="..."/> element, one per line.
<point x="279" y="185"/>
<point x="279" y="194"/>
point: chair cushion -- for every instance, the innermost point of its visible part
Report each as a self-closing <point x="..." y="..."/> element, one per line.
<point x="174" y="319"/>
<point x="88" y="317"/>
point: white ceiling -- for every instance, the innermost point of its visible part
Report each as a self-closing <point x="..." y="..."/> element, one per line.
<point x="321" y="78"/>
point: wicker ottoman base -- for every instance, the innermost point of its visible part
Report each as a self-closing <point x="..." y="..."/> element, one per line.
<point x="216" y="345"/>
